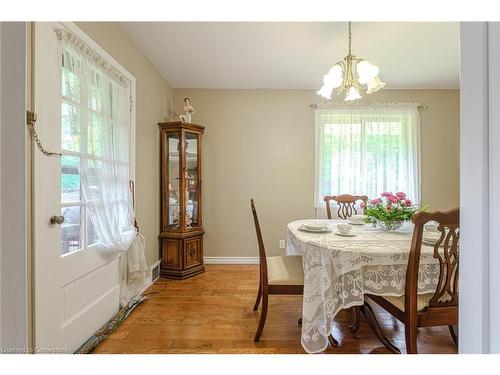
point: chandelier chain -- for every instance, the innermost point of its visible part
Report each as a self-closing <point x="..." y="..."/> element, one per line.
<point x="349" y="37"/>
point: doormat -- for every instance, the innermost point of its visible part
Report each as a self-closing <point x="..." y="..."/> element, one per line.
<point x="92" y="343"/>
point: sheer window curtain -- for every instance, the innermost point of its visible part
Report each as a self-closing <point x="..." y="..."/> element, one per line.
<point x="366" y="150"/>
<point x="101" y="118"/>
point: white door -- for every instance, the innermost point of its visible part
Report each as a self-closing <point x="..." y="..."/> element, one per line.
<point x="76" y="286"/>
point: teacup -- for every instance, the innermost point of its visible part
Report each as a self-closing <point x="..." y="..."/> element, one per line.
<point x="344" y="228"/>
<point x="357" y="219"/>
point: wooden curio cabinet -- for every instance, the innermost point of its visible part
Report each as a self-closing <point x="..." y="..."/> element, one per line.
<point x="181" y="229"/>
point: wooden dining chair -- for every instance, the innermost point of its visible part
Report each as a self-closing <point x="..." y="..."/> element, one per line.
<point x="346" y="208"/>
<point x="346" y="204"/>
<point x="424" y="310"/>
<point x="278" y="275"/>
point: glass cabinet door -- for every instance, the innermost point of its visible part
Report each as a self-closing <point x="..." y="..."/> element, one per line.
<point x="172" y="193"/>
<point x="192" y="179"/>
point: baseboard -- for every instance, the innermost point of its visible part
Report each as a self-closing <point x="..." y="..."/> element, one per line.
<point x="231" y="260"/>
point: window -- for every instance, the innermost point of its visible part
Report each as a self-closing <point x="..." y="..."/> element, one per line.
<point x="366" y="150"/>
<point x="96" y="129"/>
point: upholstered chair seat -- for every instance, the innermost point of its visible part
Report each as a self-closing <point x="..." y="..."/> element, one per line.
<point x="399" y="302"/>
<point x="285" y="270"/>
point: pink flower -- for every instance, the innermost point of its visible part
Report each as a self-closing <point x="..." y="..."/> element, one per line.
<point x="362" y="205"/>
<point x="375" y="201"/>
<point x="407" y="202"/>
<point x="392" y="199"/>
<point x="386" y="194"/>
<point x="400" y="195"/>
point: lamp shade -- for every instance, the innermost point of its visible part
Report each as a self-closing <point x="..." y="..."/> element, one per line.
<point x="331" y="80"/>
<point x="334" y="76"/>
<point x="374" y="85"/>
<point x="325" y="91"/>
<point x="366" y="71"/>
<point x="352" y="94"/>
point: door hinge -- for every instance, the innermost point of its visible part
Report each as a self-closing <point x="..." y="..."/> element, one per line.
<point x="30" y="123"/>
<point x="131" y="103"/>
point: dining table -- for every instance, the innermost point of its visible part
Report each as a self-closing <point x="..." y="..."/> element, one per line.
<point x="339" y="270"/>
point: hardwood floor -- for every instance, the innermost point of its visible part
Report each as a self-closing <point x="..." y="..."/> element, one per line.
<point x="212" y="313"/>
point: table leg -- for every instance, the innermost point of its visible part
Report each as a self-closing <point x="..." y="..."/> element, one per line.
<point x="356" y="319"/>
<point x="373" y="323"/>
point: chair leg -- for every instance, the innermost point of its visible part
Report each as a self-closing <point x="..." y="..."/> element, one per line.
<point x="369" y="315"/>
<point x="356" y="318"/>
<point x="257" y="301"/>
<point x="262" y="320"/>
<point x="453" y="335"/>
<point x="333" y="342"/>
<point x="411" y="338"/>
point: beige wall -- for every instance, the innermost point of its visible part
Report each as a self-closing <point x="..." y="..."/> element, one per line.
<point x="260" y="144"/>
<point x="154" y="101"/>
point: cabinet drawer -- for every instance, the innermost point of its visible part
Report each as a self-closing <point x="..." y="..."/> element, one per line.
<point x="193" y="254"/>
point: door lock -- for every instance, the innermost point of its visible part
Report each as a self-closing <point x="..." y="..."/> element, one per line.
<point x="56" y="219"/>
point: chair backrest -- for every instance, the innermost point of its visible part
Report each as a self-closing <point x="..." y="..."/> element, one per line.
<point x="446" y="251"/>
<point x="346" y="203"/>
<point x="262" y="250"/>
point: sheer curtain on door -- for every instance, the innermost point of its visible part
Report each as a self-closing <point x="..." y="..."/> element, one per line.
<point x="98" y="114"/>
<point x="367" y="149"/>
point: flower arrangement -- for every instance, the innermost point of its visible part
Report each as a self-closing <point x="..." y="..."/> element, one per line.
<point x="390" y="210"/>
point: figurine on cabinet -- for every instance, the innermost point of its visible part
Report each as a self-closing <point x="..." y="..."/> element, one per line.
<point x="188" y="111"/>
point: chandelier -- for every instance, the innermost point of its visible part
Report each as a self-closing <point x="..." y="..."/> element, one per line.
<point x="349" y="76"/>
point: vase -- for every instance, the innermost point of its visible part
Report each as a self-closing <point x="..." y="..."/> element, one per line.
<point x="390" y="226"/>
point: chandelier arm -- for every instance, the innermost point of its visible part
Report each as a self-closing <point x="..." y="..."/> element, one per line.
<point x="343" y="86"/>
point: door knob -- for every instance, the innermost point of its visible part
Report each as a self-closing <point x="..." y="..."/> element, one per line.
<point x="56" y="219"/>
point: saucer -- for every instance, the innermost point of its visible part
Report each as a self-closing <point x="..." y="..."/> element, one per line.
<point x="345" y="235"/>
<point x="353" y="223"/>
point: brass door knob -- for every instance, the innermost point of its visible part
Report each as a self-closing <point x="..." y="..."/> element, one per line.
<point x="56" y="219"/>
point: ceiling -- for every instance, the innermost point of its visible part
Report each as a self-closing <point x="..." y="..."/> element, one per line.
<point x="295" y="55"/>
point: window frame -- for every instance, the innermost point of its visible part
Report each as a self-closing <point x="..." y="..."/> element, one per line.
<point x="318" y="202"/>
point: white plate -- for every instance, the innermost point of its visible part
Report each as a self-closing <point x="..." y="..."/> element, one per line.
<point x="315" y="226"/>
<point x="319" y="230"/>
<point x="345" y="235"/>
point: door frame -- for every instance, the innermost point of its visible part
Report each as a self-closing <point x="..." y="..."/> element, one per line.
<point x="14" y="192"/>
<point x="479" y="187"/>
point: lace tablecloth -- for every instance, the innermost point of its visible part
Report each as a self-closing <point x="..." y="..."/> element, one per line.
<point x="338" y="271"/>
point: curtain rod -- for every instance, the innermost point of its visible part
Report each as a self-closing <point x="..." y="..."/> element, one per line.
<point x="318" y="105"/>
